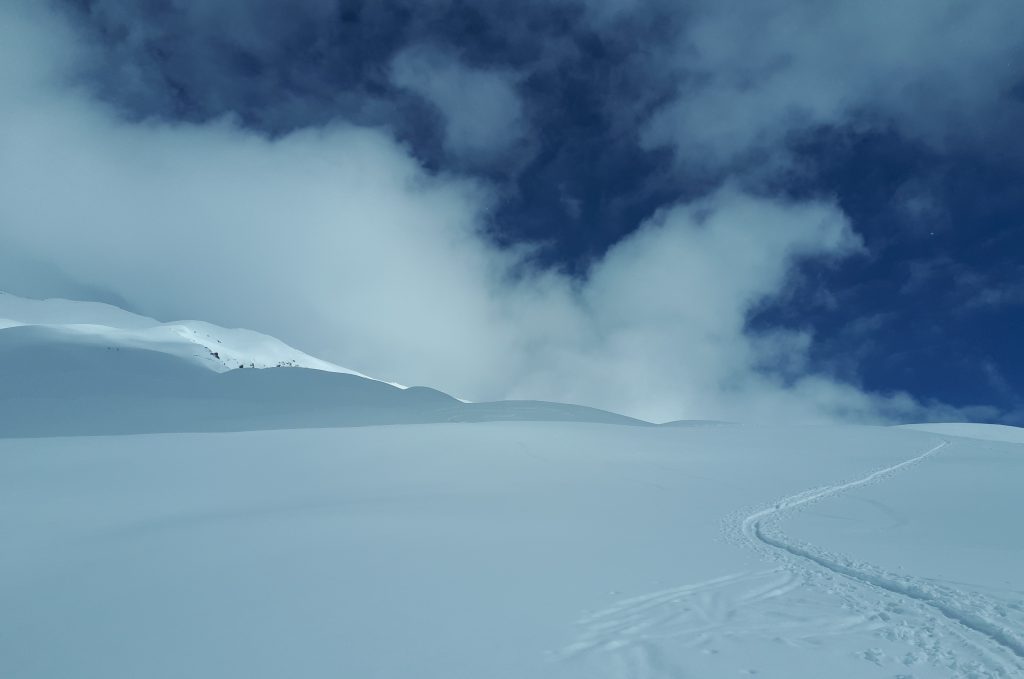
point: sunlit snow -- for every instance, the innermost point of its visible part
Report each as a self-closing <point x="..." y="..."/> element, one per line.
<point x="370" y="531"/>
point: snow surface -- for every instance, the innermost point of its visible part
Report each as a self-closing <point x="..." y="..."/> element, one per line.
<point x="204" y="344"/>
<point x="512" y="550"/>
<point x="339" y="526"/>
<point x="987" y="432"/>
<point x="102" y="370"/>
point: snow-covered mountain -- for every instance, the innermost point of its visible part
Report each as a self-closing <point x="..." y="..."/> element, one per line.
<point x="585" y="546"/>
<point x="204" y="344"/>
<point x="69" y="368"/>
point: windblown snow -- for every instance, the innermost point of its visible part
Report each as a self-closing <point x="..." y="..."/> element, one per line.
<point x="262" y="534"/>
<point x="210" y="346"/>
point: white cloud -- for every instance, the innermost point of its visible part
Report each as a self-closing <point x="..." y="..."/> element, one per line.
<point x="482" y="111"/>
<point x="663" y="316"/>
<point x="751" y="74"/>
<point x="338" y="242"/>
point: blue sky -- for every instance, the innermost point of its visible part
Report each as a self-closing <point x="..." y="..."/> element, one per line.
<point x="710" y="209"/>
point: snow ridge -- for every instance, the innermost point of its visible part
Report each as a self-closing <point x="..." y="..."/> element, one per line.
<point x="205" y="344"/>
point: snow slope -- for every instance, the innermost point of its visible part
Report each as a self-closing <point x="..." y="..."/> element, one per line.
<point x="74" y="368"/>
<point x="987" y="432"/>
<point x="204" y="344"/>
<point x="512" y="550"/>
<point x="942" y="547"/>
<point x="502" y="540"/>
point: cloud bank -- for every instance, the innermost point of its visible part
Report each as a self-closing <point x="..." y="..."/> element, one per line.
<point x="336" y="239"/>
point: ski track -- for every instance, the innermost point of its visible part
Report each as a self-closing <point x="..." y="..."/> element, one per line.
<point x="754" y="529"/>
<point x="633" y="632"/>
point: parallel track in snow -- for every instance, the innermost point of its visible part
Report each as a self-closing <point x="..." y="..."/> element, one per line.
<point x="1008" y="644"/>
<point x="636" y="637"/>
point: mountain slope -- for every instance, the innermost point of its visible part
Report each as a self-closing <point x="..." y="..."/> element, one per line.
<point x="573" y="548"/>
<point x="120" y="373"/>
<point x="207" y="345"/>
<point x="510" y="550"/>
<point x="985" y="432"/>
